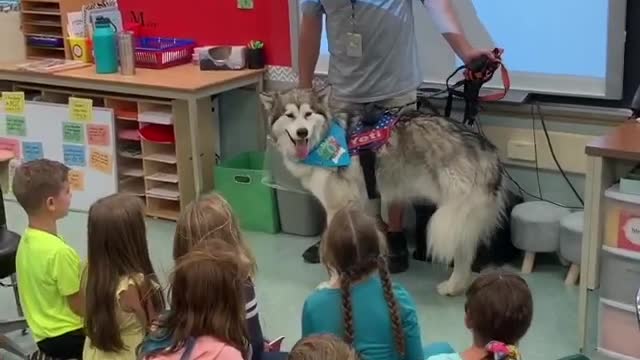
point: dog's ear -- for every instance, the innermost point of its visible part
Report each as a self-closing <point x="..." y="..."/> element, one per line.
<point x="268" y="100"/>
<point x="323" y="96"/>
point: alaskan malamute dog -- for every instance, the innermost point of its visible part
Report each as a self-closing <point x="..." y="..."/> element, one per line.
<point x="426" y="158"/>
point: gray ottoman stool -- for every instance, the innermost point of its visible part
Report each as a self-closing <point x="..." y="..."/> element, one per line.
<point x="535" y="228"/>
<point x="571" y="243"/>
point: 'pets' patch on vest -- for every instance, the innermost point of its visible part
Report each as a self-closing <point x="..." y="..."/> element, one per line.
<point x="372" y="138"/>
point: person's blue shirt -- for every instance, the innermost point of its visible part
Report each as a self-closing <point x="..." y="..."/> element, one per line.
<point x="373" y="332"/>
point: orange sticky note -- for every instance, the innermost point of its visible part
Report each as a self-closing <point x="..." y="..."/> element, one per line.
<point x="101" y="161"/>
<point x="76" y="180"/>
<point x="98" y="134"/>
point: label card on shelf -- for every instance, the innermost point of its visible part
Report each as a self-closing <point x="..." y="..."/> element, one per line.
<point x="80" y="110"/>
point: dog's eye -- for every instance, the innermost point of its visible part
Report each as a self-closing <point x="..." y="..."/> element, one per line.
<point x="307" y="114"/>
<point x="290" y="115"/>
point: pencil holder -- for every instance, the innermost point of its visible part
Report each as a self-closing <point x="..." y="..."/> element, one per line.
<point x="255" y="58"/>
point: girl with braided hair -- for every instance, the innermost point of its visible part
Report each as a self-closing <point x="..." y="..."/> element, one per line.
<point x="361" y="304"/>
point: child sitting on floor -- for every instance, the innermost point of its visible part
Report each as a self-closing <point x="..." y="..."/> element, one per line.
<point x="498" y="312"/>
<point x="48" y="269"/>
<point x="361" y="304"/>
<point x="322" y="347"/>
<point x="207" y="315"/>
<point x="122" y="291"/>
<point x="211" y="216"/>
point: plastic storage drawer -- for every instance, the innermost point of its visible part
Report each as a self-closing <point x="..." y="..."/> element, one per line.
<point x="622" y="228"/>
<point x="619" y="275"/>
<point x="619" y="332"/>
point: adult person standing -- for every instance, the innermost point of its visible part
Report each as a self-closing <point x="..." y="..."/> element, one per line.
<point x="374" y="60"/>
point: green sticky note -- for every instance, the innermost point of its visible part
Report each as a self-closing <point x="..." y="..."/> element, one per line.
<point x="73" y="133"/>
<point x="245" y="4"/>
<point x="16" y="126"/>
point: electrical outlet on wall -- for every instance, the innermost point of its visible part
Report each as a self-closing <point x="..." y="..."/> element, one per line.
<point x="521" y="150"/>
<point x="245" y="4"/>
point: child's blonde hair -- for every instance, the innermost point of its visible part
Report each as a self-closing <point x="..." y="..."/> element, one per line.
<point x="207" y="217"/>
<point x="322" y="347"/>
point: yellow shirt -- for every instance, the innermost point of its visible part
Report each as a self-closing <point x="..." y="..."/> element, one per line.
<point x="132" y="332"/>
<point x="48" y="271"/>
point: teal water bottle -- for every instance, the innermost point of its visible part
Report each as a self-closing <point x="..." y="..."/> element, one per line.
<point x="104" y="46"/>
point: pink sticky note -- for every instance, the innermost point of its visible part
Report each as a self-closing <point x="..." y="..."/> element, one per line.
<point x="12" y="145"/>
<point x="98" y="134"/>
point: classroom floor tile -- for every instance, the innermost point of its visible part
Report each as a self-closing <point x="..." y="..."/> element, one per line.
<point x="284" y="281"/>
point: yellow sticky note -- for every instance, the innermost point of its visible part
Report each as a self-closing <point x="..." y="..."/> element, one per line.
<point x="76" y="180"/>
<point x="13" y="102"/>
<point x="100" y="161"/>
<point x="80" y="110"/>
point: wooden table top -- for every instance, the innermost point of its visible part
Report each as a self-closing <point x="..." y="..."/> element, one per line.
<point x="621" y="143"/>
<point x="186" y="77"/>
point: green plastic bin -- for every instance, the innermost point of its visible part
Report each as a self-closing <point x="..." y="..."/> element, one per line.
<point x="239" y="180"/>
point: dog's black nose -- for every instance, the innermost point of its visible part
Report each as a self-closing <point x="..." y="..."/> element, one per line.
<point x="302" y="133"/>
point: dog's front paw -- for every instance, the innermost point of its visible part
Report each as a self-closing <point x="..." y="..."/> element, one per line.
<point x="449" y="288"/>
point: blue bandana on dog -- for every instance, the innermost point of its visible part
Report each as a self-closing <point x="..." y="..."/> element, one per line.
<point x="332" y="151"/>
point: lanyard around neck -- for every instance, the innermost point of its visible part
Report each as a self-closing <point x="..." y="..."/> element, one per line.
<point x="353" y="11"/>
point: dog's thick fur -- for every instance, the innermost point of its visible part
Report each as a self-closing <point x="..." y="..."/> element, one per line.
<point x="427" y="157"/>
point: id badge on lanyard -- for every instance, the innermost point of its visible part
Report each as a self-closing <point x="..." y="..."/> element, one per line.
<point x="354" y="39"/>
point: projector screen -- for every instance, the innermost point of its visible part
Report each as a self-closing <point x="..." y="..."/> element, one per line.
<point x="566" y="47"/>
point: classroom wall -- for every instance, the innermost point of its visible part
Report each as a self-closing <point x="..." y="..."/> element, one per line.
<point x="217" y="22"/>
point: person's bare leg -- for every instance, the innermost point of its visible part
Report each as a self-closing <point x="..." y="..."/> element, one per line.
<point x="398" y="252"/>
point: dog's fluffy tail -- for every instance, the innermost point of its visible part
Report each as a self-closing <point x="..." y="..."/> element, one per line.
<point x="461" y="224"/>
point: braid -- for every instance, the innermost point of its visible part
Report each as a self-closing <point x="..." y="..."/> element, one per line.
<point x="396" y="322"/>
<point x="347" y="310"/>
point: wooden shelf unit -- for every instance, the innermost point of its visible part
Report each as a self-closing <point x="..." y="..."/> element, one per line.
<point x="154" y="163"/>
<point x="48" y="18"/>
<point x="146" y="169"/>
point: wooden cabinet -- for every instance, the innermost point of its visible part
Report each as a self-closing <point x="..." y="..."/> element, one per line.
<point x="47" y="19"/>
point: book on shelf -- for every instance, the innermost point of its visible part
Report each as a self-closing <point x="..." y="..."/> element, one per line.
<point x="52" y="65"/>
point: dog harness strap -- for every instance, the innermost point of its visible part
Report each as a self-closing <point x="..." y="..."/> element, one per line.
<point x="368" y="164"/>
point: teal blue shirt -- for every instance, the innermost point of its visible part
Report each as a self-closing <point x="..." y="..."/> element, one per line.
<point x="373" y="333"/>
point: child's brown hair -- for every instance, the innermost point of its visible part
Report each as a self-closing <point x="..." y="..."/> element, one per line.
<point x="210" y="217"/>
<point x="117" y="247"/>
<point x="36" y="181"/>
<point x="207" y="296"/>
<point x="353" y="248"/>
<point x="322" y="347"/>
<point x="499" y="307"/>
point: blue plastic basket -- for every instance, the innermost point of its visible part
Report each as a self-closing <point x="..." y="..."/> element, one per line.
<point x="160" y="53"/>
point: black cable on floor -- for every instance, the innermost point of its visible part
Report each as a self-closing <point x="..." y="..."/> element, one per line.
<point x="553" y="155"/>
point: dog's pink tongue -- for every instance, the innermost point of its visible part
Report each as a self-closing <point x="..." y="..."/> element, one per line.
<point x="302" y="150"/>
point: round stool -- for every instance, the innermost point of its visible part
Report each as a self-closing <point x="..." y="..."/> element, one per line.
<point x="571" y="243"/>
<point x="535" y="228"/>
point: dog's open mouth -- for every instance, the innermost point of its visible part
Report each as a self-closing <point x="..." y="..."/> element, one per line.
<point x="301" y="145"/>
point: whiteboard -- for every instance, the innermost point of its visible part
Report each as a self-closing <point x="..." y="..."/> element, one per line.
<point x="86" y="147"/>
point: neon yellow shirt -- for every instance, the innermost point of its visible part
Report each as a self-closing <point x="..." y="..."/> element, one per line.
<point x="48" y="271"/>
